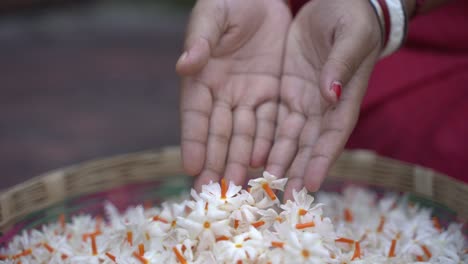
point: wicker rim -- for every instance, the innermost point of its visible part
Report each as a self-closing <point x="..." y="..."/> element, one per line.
<point x="103" y="174"/>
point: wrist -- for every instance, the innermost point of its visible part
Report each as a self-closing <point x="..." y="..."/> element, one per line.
<point x="393" y="19"/>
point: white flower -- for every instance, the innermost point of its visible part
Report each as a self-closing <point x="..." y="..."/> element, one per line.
<point x="242" y="247"/>
<point x="300" y="208"/>
<point x="262" y="189"/>
<point x="228" y="197"/>
<point x="224" y="224"/>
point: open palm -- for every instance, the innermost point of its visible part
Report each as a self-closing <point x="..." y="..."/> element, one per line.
<point x="331" y="44"/>
<point x="231" y="77"/>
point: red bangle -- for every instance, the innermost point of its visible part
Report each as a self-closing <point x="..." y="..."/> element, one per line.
<point x="295" y="5"/>
<point x="386" y="16"/>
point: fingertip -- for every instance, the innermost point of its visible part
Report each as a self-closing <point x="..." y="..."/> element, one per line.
<point x="296" y="184"/>
<point x="193" y="158"/>
<point x="235" y="173"/>
<point x="315" y="174"/>
<point x="182" y="65"/>
<point x="259" y="154"/>
<point x="204" y="178"/>
<point x="194" y="58"/>
<point x="276" y="170"/>
<point x="287" y="196"/>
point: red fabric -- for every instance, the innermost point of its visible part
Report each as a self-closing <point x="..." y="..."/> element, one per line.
<point x="416" y="107"/>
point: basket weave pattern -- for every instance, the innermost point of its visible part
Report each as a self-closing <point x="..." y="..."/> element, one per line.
<point x="358" y="166"/>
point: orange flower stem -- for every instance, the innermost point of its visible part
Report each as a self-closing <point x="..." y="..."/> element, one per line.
<point x="305" y="225"/>
<point x="179" y="256"/>
<point x="269" y="191"/>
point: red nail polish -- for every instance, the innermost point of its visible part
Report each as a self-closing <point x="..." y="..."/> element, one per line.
<point x="336" y="87"/>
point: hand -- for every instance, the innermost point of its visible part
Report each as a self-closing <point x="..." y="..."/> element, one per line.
<point x="331" y="49"/>
<point x="231" y="75"/>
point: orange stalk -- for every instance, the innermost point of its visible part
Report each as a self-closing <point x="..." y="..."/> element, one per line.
<point x="269" y="191"/>
<point x="179" y="256"/>
<point x="357" y="251"/>
<point x="141" y="249"/>
<point x="222" y="238"/>
<point x="160" y="219"/>
<point x="436" y="223"/>
<point x="348" y="215"/>
<point x="93" y="245"/>
<point x="236" y="223"/>
<point x="48" y="247"/>
<point x="419" y="258"/>
<point x="23" y="253"/>
<point x="302" y="212"/>
<point x="277" y="244"/>
<point x="26" y="252"/>
<point x="224" y="188"/>
<point x="344" y="240"/>
<point x="305" y="225"/>
<point x="391" y="252"/>
<point x="426" y="251"/>
<point x="258" y="223"/>
<point x="62" y="221"/>
<point x="140" y="258"/>
<point x="381" y="224"/>
<point x="98" y="222"/>
<point x="130" y="238"/>
<point x="112" y="257"/>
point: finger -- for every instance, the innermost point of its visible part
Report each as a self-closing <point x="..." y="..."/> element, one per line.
<point x="285" y="146"/>
<point x="352" y="44"/>
<point x="307" y="139"/>
<point x="241" y="145"/>
<point x="196" y="104"/>
<point x="340" y="122"/>
<point x="264" y="134"/>
<point x="325" y="152"/>
<point x="219" y="136"/>
<point x="205" y="28"/>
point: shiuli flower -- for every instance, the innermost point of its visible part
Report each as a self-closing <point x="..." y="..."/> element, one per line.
<point x="262" y="189"/>
<point x="226" y="224"/>
<point x="243" y="247"/>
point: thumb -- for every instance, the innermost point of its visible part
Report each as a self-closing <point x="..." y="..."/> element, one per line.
<point x="203" y="33"/>
<point x="348" y="51"/>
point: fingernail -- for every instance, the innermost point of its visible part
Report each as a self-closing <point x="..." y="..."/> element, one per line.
<point x="183" y="56"/>
<point x="336" y="87"/>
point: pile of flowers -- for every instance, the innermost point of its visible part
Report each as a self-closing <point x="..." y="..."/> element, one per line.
<point x="227" y="224"/>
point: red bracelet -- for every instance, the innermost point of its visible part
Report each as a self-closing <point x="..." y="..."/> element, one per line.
<point x="295" y="5"/>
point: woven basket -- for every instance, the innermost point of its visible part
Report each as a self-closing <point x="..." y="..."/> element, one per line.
<point x="141" y="172"/>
